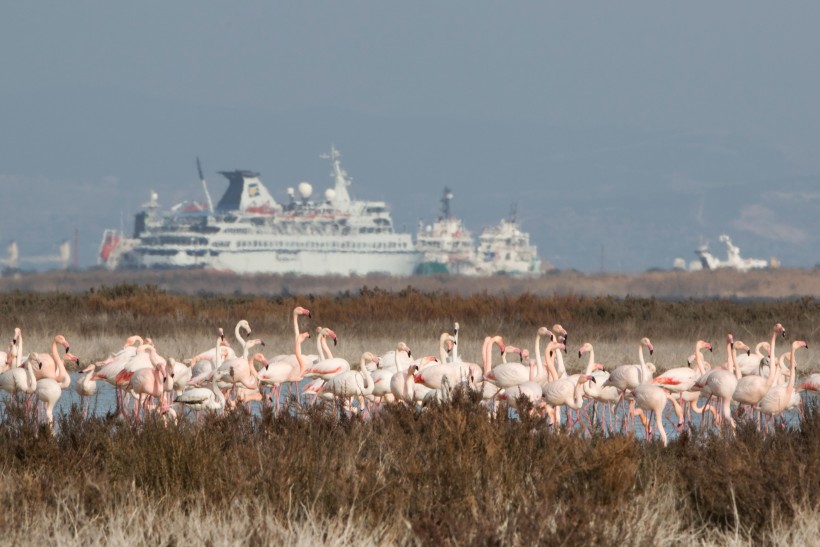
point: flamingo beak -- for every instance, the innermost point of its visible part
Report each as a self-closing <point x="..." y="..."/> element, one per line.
<point x="334" y="341"/>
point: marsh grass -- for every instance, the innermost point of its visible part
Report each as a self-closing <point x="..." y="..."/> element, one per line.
<point x="98" y="321"/>
<point x="449" y="475"/>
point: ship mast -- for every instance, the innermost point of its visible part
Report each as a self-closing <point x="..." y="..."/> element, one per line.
<point x="445" y="203"/>
<point x="341" y="199"/>
<point x="204" y="186"/>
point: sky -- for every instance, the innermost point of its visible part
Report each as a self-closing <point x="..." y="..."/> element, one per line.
<point x="627" y="133"/>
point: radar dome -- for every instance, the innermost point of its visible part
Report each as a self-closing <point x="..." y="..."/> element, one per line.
<point x="305" y="189"/>
<point x="330" y="194"/>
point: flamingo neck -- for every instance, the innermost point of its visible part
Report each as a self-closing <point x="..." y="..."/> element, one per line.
<point x="319" y="350"/>
<point x="771" y="346"/>
<point x="538" y="350"/>
<point x="326" y="348"/>
<point x="550" y="361"/>
<point x="734" y="363"/>
<point x="238" y="333"/>
<point x="442" y="349"/>
<point x="591" y="363"/>
<point x="699" y="361"/>
<point x="729" y="363"/>
<point x="793" y="369"/>
<point x="297" y="350"/>
<point x="640" y="355"/>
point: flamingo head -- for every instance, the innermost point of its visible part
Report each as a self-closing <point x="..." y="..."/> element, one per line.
<point x="403" y="347"/>
<point x="597" y="366"/>
<point x="741" y="346"/>
<point x="645" y="342"/>
<point x="17" y="334"/>
<point x="730" y="339"/>
<point x="244" y="325"/>
<point x="60" y="339"/>
<point x="299" y="310"/>
<point x="586" y="378"/>
<point x="259" y="358"/>
<point x="583" y="349"/>
<point x="701" y="345"/>
<point x="455" y="328"/>
<point x="332" y="335"/>
<point x="426" y="361"/>
<point x="500" y="341"/>
<point x="543" y="331"/>
<point x="778" y="328"/>
<point x="301" y="338"/>
<point x="73" y="358"/>
<point x="525" y="355"/>
<point x="89" y="369"/>
<point x="799" y="344"/>
<point x="133" y="340"/>
<point x="560" y="333"/>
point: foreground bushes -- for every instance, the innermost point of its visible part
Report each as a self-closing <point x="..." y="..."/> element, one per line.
<point x="449" y="475"/>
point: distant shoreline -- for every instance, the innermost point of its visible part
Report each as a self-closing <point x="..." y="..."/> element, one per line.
<point x="763" y="284"/>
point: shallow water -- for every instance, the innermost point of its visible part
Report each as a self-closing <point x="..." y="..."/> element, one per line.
<point x="104" y="402"/>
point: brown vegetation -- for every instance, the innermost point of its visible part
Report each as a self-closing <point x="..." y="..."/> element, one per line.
<point x="445" y="476"/>
<point x="782" y="283"/>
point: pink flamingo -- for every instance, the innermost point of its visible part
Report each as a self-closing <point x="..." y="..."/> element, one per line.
<point x="276" y="373"/>
<point x="653" y="398"/>
<point x="147" y="383"/>
<point x="779" y="398"/>
<point x="752" y="388"/>
<point x="86" y="387"/>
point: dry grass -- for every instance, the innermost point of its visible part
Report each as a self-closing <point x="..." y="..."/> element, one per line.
<point x="447" y="476"/>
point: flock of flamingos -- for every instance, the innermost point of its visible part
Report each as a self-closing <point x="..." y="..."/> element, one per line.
<point x="761" y="384"/>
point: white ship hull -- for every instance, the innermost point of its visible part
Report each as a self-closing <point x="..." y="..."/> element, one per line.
<point x="364" y="254"/>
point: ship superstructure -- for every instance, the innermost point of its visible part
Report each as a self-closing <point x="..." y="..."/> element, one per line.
<point x="505" y="249"/>
<point x="447" y="245"/>
<point x="248" y="231"/>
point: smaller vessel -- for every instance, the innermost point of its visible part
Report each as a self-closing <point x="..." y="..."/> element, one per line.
<point x="505" y="249"/>
<point x="707" y="261"/>
<point x="447" y="246"/>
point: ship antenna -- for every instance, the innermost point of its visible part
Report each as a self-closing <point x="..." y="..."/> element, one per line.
<point x="513" y="212"/>
<point x="445" y="202"/>
<point x="204" y="185"/>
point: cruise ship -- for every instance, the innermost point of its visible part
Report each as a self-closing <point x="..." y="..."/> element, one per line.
<point x="248" y="231"/>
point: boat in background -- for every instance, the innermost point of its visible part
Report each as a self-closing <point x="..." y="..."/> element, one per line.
<point x="248" y="231"/>
<point x="707" y="261"/>
<point x="506" y="249"/>
<point x="447" y="246"/>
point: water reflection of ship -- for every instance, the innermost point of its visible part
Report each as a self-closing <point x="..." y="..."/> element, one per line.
<point x="448" y="246"/>
<point x="707" y="261"/>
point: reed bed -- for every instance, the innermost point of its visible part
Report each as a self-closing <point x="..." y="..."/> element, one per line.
<point x="449" y="475"/>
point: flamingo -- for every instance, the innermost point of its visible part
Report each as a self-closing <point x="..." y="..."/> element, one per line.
<point x="653" y="398"/>
<point x="779" y="398"/>
<point x="86" y="387"/>
<point x="17" y="380"/>
<point x="48" y="362"/>
<point x="329" y="366"/>
<point x="145" y="384"/>
<point x="353" y="383"/>
<point x="565" y="393"/>
<point x="625" y="377"/>
<point x="202" y="398"/>
<point x="299" y="311"/>
<point x="275" y="373"/>
<point x="210" y="353"/>
<point x="48" y="392"/>
<point x="680" y="379"/>
<point x="752" y="388"/>
<point x="530" y="389"/>
<point x="243" y="372"/>
<point x="722" y="381"/>
<point x="750" y="363"/>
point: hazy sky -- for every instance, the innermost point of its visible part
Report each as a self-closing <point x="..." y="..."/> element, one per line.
<point x="641" y="127"/>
